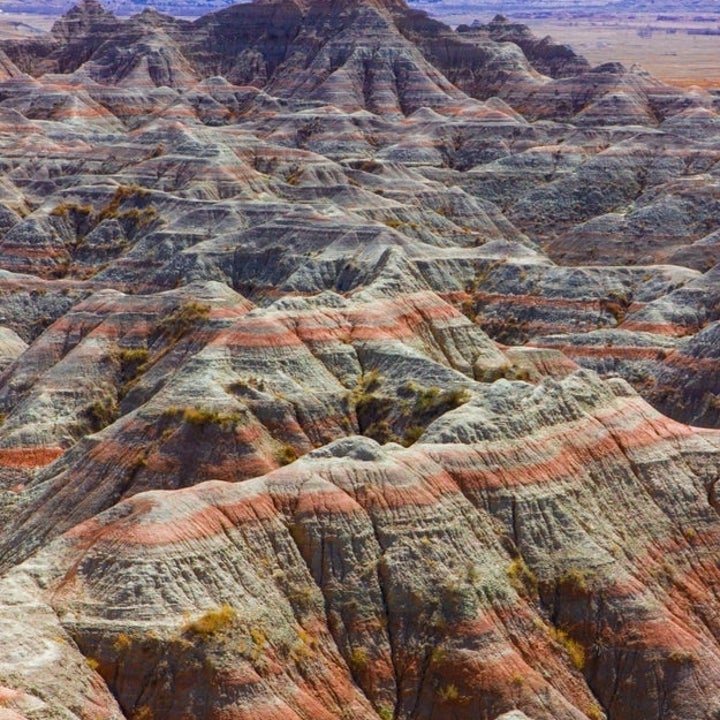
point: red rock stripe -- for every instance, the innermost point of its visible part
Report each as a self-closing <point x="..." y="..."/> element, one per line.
<point x="514" y="462"/>
<point x="29" y="457"/>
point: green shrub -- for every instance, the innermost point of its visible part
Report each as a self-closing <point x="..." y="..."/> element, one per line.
<point x="449" y="693"/>
<point x="139" y="218"/>
<point x="381" y="432"/>
<point x="122" y="642"/>
<point x="134" y="356"/>
<point x="681" y="657"/>
<point x="65" y="209"/>
<point x="522" y="578"/>
<point x="412" y="434"/>
<point x="358" y="659"/>
<point x="574" y="649"/>
<point x="286" y="454"/>
<point x="426" y="399"/>
<point x="212" y="623"/>
<point x="507" y="372"/>
<point x="132" y="361"/>
<point x="367" y="383"/>
<point x="436" y="402"/>
<point x="190" y="313"/>
<point x="102" y="412"/>
<point x="402" y="418"/>
<point x="302" y="598"/>
<point x="574" y="580"/>
<point x="122" y="193"/>
<point x="201" y="417"/>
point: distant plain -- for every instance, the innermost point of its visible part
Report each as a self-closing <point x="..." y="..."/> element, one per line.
<point x="667" y="50"/>
<point x="664" y="48"/>
<point x="17" y="25"/>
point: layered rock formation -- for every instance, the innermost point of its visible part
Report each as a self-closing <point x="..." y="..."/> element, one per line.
<point x="313" y="316"/>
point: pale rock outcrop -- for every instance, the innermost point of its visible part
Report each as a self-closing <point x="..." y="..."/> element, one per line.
<point x="359" y="560"/>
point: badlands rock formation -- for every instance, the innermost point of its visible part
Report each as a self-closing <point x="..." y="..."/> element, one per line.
<point x="354" y="367"/>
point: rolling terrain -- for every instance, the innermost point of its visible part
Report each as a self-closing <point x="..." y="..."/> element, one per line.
<point x="352" y="366"/>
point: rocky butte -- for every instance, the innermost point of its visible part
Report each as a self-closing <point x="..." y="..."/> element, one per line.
<point x="354" y="367"/>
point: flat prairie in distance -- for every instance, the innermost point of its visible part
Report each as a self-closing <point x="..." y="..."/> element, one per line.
<point x="19" y="25"/>
<point x="671" y="46"/>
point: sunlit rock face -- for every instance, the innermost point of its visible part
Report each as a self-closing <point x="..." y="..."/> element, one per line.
<point x="353" y="367"/>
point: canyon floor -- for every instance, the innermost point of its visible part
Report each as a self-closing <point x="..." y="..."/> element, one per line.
<point x="354" y="366"/>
